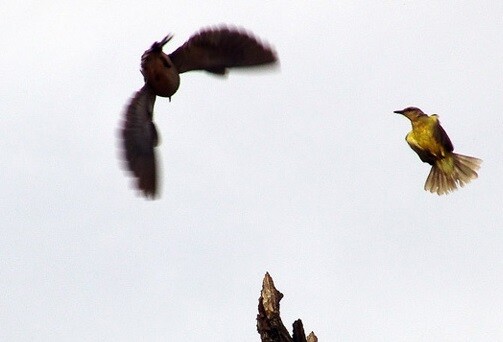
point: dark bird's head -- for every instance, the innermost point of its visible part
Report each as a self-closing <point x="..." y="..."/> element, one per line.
<point x="158" y="70"/>
<point x="410" y="112"/>
<point x="156" y="48"/>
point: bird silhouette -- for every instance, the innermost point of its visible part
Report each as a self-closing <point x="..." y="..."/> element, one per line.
<point x="433" y="146"/>
<point x="213" y="50"/>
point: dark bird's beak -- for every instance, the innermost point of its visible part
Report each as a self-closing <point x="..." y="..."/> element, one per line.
<point x="165" y="40"/>
<point x="398" y="111"/>
<point x="157" y="46"/>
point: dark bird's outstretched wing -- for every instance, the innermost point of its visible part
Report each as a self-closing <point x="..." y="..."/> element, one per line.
<point x="139" y="137"/>
<point x="216" y="49"/>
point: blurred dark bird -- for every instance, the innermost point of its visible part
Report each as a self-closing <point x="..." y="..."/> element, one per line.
<point x="433" y="146"/>
<point x="213" y="50"/>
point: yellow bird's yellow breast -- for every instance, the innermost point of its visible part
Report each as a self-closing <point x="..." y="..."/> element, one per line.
<point x="423" y="135"/>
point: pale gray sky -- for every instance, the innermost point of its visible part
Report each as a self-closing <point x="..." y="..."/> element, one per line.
<point x="301" y="171"/>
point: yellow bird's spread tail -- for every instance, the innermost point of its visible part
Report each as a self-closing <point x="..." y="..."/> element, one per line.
<point x="449" y="172"/>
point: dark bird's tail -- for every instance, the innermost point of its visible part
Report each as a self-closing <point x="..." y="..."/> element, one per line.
<point x="449" y="172"/>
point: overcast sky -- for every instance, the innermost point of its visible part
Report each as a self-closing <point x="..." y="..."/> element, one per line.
<point x="302" y="171"/>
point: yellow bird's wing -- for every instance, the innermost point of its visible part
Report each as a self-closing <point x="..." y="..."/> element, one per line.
<point x="425" y="155"/>
<point x="441" y="136"/>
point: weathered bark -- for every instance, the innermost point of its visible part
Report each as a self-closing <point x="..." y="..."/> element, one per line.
<point x="312" y="337"/>
<point x="269" y="324"/>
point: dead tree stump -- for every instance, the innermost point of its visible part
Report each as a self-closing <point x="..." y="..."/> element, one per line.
<point x="269" y="324"/>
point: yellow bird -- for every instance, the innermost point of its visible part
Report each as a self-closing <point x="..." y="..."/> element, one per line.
<point x="213" y="50"/>
<point x="433" y="146"/>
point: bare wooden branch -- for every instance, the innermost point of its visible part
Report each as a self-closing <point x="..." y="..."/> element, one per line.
<point x="298" y="331"/>
<point x="269" y="324"/>
<point x="312" y="337"/>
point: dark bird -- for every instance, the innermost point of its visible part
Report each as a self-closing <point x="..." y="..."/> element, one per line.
<point x="213" y="50"/>
<point x="433" y="146"/>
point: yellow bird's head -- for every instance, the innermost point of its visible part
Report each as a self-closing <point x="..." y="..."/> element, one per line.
<point x="410" y="112"/>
